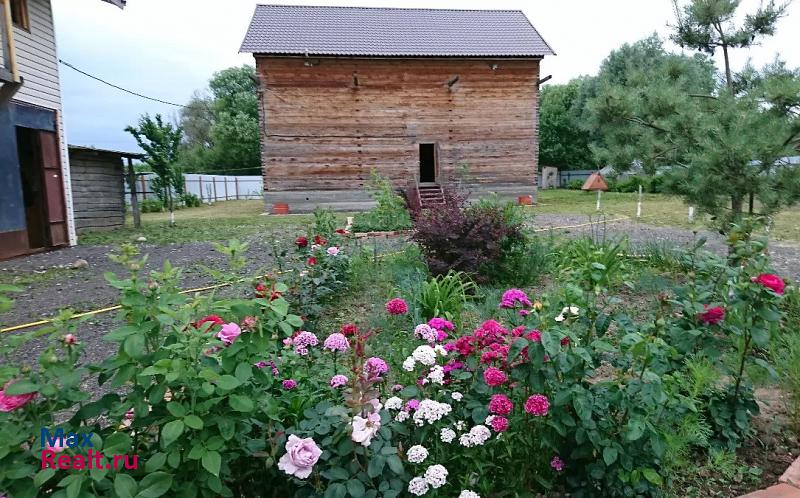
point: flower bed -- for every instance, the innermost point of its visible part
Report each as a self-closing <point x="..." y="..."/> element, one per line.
<point x="244" y="396"/>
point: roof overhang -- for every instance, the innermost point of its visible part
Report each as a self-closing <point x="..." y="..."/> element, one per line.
<point x="118" y="3"/>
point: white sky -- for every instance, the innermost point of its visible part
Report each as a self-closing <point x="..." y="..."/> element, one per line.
<point x="169" y="48"/>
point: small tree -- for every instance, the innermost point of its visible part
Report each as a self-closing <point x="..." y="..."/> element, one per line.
<point x="160" y="142"/>
<point x="719" y="147"/>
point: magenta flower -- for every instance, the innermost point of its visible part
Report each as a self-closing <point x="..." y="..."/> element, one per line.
<point x="499" y="424"/>
<point x="412" y="404"/>
<point x="260" y="364"/>
<point x="397" y="388"/>
<point x="10" y="402"/>
<point x="302" y="341"/>
<point x="338" y="381"/>
<point x="770" y="281"/>
<point x="512" y="297"/>
<point x="441" y="324"/>
<point x="494" y="377"/>
<point x="397" y="306"/>
<point x="500" y="405"/>
<point x="289" y="384"/>
<point x="537" y="405"/>
<point x="557" y="464"/>
<point x="337" y="342"/>
<point x="229" y="333"/>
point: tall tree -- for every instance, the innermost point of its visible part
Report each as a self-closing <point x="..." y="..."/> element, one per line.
<point x="720" y="146"/>
<point x="563" y="141"/>
<point x="160" y="142"/>
<point x="222" y="128"/>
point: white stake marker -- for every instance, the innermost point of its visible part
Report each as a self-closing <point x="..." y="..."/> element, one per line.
<point x="598" y="199"/>
<point x="639" y="204"/>
<point x="691" y="214"/>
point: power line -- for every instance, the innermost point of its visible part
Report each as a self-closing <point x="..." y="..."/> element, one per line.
<point x="117" y="86"/>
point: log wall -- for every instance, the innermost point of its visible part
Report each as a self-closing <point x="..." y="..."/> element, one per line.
<point x="327" y="122"/>
<point x="97" y="189"/>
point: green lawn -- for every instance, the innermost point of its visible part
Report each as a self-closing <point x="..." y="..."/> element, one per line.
<point x="657" y="209"/>
<point x="222" y="221"/>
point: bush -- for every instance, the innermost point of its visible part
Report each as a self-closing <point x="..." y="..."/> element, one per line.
<point x="389" y="214"/>
<point x="151" y="206"/>
<point x="463" y="238"/>
<point x="190" y="200"/>
<point x="525" y="263"/>
<point x="575" y="184"/>
<point x="444" y="296"/>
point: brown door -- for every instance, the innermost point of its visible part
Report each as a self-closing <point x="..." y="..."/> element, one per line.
<point x="54" y="188"/>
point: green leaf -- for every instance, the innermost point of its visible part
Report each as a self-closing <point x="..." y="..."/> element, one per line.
<point x="280" y="307"/>
<point x="74" y="487"/>
<point x="193" y="422"/>
<point x="760" y="336"/>
<point x="243" y="372"/>
<point x="634" y="429"/>
<point x="117" y="443"/>
<point x="171" y="432"/>
<point x="155" y="462"/>
<point x="125" y="486"/>
<point x="336" y="490"/>
<point x="155" y="485"/>
<point x="134" y="345"/>
<point x="176" y="409"/>
<point x="336" y="474"/>
<point x="376" y="465"/>
<point x="516" y="348"/>
<point x="294" y="320"/>
<point x="212" y="461"/>
<point x="355" y="488"/>
<point x="43" y="476"/>
<point x="653" y="477"/>
<point x="228" y="382"/>
<point x="610" y="455"/>
<point x="241" y="403"/>
<point x="21" y="387"/>
<point x="394" y="463"/>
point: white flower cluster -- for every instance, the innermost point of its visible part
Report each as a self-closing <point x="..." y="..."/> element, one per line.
<point x="460" y="425"/>
<point x="457" y="396"/>
<point x="572" y="310"/>
<point x="402" y="416"/>
<point x="418" y="486"/>
<point x="469" y="494"/>
<point x="436" y="476"/>
<point x="425" y="355"/>
<point x="436" y="375"/>
<point x="430" y="411"/>
<point x="447" y="435"/>
<point x="394" y="403"/>
<point x="417" y="454"/>
<point x="425" y="331"/>
<point x="408" y="364"/>
<point x="476" y="436"/>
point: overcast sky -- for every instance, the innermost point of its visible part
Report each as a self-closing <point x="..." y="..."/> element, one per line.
<point x="169" y="48"/>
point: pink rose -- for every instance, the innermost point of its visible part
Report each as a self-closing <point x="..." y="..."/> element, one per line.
<point x="229" y="333"/>
<point x="10" y="402"/>
<point x="333" y="251"/>
<point x="770" y="281"/>
<point x="300" y="457"/>
<point x="55" y="448"/>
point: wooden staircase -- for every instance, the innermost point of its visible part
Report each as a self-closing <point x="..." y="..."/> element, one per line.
<point x="430" y="195"/>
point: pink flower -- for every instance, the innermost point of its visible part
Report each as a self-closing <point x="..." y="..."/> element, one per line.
<point x="375" y="367"/>
<point x="249" y="323"/>
<point x="711" y="316"/>
<point x="500" y="405"/>
<point x="289" y="384"/>
<point x="10" y="402"/>
<point x="565" y="340"/>
<point x="499" y="424"/>
<point x="301" y="242"/>
<point x="70" y="340"/>
<point x="337" y="342"/>
<point x="338" y="381"/>
<point x="332" y="251"/>
<point x="300" y="457"/>
<point x="412" y="404"/>
<point x="311" y="261"/>
<point x="557" y="464"/>
<point x="58" y="447"/>
<point x="229" y="333"/>
<point x="441" y="324"/>
<point x="512" y="297"/>
<point x="524" y="312"/>
<point x="770" y="281"/>
<point x="494" y="377"/>
<point x="397" y="388"/>
<point x="349" y="329"/>
<point x="397" y="306"/>
<point x="212" y="319"/>
<point x="302" y="340"/>
<point x="364" y="429"/>
<point x="537" y="405"/>
<point x="534" y="336"/>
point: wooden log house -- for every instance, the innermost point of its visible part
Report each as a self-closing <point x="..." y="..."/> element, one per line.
<point x="422" y="96"/>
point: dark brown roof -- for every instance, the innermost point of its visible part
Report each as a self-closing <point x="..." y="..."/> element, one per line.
<point x="392" y="32"/>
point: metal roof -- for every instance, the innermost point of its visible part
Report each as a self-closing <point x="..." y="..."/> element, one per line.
<point x="121" y="153"/>
<point x="392" y="32"/>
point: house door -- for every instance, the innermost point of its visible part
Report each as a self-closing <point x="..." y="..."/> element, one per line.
<point x="54" y="188"/>
<point x="427" y="163"/>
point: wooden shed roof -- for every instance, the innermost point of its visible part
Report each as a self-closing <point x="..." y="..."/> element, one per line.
<point x="392" y="32"/>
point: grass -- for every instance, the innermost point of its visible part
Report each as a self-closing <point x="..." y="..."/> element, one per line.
<point x="657" y="209"/>
<point x="220" y="222"/>
<point x="25" y="278"/>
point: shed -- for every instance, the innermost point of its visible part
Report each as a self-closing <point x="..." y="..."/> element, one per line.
<point x="98" y="196"/>
<point x="418" y="95"/>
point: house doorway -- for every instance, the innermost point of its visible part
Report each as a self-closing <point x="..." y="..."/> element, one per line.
<point x="33" y="193"/>
<point x="427" y="163"/>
